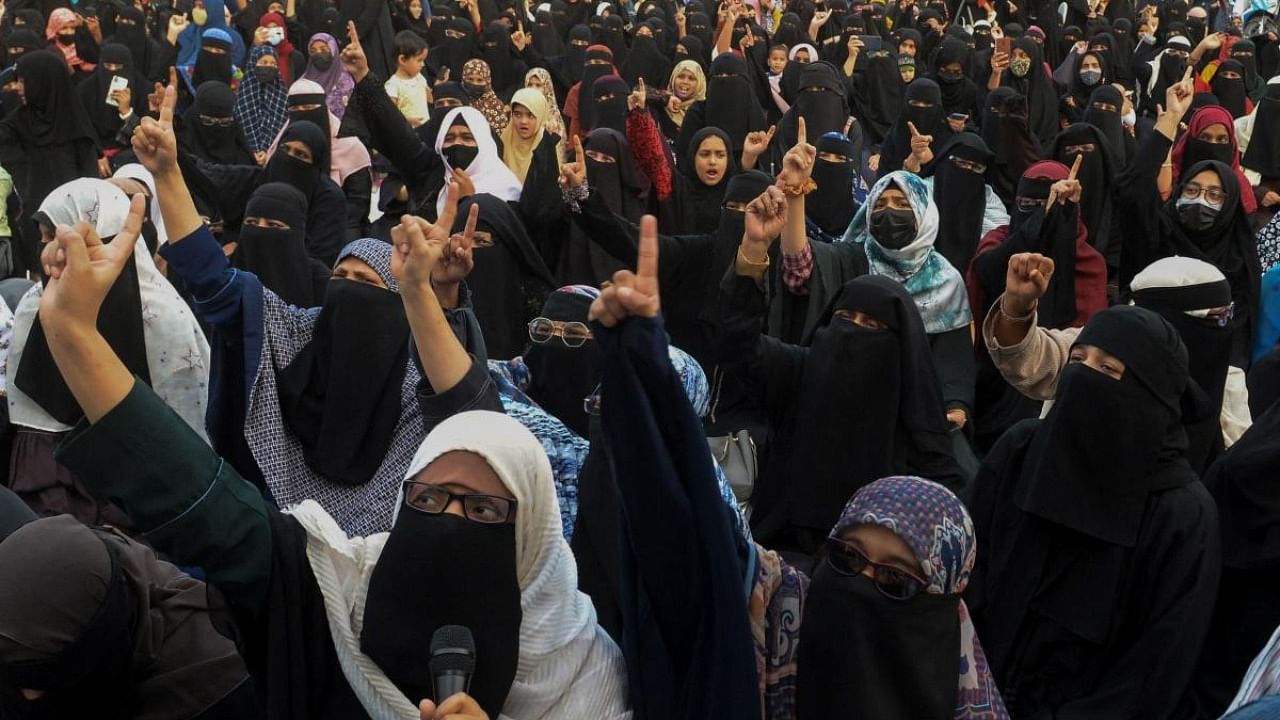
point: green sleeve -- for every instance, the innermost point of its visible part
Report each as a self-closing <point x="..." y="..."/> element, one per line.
<point x="190" y="503"/>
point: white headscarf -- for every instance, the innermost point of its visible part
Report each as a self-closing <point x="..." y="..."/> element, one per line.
<point x="488" y="173"/>
<point x="568" y="666"/>
<point x="176" y="349"/>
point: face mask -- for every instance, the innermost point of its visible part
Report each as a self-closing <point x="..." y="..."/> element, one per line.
<point x="474" y="90"/>
<point x="274" y="40"/>
<point x="67" y="40"/>
<point x="283" y="167"/>
<point x="950" y="77"/>
<point x="1130" y="118"/>
<point x="199" y="16"/>
<point x="478" y="563"/>
<point x="893" y="229"/>
<point x="322" y="61"/>
<point x="1020" y="66"/>
<point x="1196" y="215"/>
<point x="264" y="74"/>
<point x="1090" y="77"/>
<point x="459" y="156"/>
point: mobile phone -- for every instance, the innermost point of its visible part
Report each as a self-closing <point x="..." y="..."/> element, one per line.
<point x="871" y="43"/>
<point x="117" y="83"/>
<point x="1004" y="45"/>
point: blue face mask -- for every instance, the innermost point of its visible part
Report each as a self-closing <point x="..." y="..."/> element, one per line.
<point x="1090" y="77"/>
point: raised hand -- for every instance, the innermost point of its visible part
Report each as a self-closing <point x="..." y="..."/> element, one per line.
<point x="353" y="57"/>
<point x="1177" y="99"/>
<point x="573" y="174"/>
<point x="520" y="40"/>
<point x="1065" y="191"/>
<point x="766" y="216"/>
<point x="81" y="269"/>
<point x="820" y="18"/>
<point x="457" y="261"/>
<point x="758" y="141"/>
<point x="466" y="186"/>
<point x="635" y="101"/>
<point x="154" y="141"/>
<point x="797" y="164"/>
<point x="1025" y="282"/>
<point x="418" y="245"/>
<point x="633" y="294"/>
<point x="920" y="145"/>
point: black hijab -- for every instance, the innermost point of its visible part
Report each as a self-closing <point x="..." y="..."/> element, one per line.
<point x="822" y="103"/>
<point x="690" y="48"/>
<point x="1037" y="88"/>
<point x="610" y="112"/>
<point x="546" y="38"/>
<point x="279" y="256"/>
<point x="50" y="116"/>
<point x="133" y="35"/>
<point x="205" y="132"/>
<point x="456" y="51"/>
<point x="1232" y="94"/>
<point x="878" y="95"/>
<point x="283" y="167"/>
<point x="1245" y="53"/>
<point x="831" y="206"/>
<point x="1243" y="484"/>
<point x="789" y="32"/>
<point x="922" y="107"/>
<point x="646" y="60"/>
<point x="699" y="203"/>
<point x="960" y="196"/>
<point x="889" y="376"/>
<point x="1263" y="154"/>
<point x="614" y="37"/>
<point x="731" y="103"/>
<point x="496" y="50"/>
<point x="1097" y="170"/>
<point x="959" y="93"/>
<point x="575" y="55"/>
<point x="621" y="183"/>
<point x="1108" y="121"/>
<point x="1005" y="130"/>
<point x="699" y="26"/>
<point x="1132" y="427"/>
<point x="1081" y="92"/>
<point x="93" y="91"/>
<point x="561" y="377"/>
<point x="212" y="66"/>
<point x="346" y="420"/>
<point x="591" y="73"/>
<point x="510" y="281"/>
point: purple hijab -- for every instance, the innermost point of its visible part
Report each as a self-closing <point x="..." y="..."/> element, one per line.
<point x="336" y="81"/>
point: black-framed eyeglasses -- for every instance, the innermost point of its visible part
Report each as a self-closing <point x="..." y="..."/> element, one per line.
<point x="894" y="583"/>
<point x="433" y="500"/>
<point x="572" y="334"/>
<point x="970" y="165"/>
<point x="1030" y="203"/>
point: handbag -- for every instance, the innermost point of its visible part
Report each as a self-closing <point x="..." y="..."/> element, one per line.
<point x="736" y="453"/>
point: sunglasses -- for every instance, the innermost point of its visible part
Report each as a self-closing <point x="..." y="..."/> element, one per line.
<point x="892" y="582"/>
<point x="572" y="334"/>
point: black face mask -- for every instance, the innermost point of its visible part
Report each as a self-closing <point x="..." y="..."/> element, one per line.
<point x="319" y="116"/>
<point x="475" y="91"/>
<point x="472" y="568"/>
<point x="460" y="156"/>
<point x="265" y="74"/>
<point x="67" y="40"/>
<point x="893" y="229"/>
<point x="865" y="655"/>
<point x="1198" y="150"/>
<point x="833" y="206"/>
<point x="322" y="61"/>
<point x="283" y="167"/>
<point x="947" y="77"/>
<point x="1195" y="216"/>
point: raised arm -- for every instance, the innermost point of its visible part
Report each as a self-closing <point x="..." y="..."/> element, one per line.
<point x="156" y="146"/>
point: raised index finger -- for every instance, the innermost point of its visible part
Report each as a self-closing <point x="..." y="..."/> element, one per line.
<point x="802" y="133"/>
<point x="450" y="206"/>
<point x="647" y="263"/>
<point x="912" y="127"/>
<point x="353" y="37"/>
<point x="170" y="99"/>
<point x="1075" y="167"/>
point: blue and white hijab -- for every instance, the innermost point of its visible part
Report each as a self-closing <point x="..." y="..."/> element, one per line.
<point x="937" y="288"/>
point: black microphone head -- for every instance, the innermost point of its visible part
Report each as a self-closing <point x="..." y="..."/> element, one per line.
<point x="453" y="650"/>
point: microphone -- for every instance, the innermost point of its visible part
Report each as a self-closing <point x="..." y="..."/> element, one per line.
<point x="453" y="660"/>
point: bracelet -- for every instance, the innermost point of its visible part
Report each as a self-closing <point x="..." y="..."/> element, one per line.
<point x="796" y="191"/>
<point x="753" y="264"/>
<point x="1013" y="318"/>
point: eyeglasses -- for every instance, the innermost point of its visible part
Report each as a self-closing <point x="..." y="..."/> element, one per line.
<point x="433" y="500"/>
<point x="572" y="334"/>
<point x="894" y="583"/>
<point x="1030" y="203"/>
<point x="970" y="165"/>
<point x="209" y="121"/>
<point x="1215" y="195"/>
<point x="1222" y="315"/>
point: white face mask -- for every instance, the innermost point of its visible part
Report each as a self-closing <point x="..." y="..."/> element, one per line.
<point x="1129" y="119"/>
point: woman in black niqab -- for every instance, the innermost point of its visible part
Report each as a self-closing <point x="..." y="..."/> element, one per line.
<point x="496" y="50"/>
<point x="1096" y="175"/>
<point x="959" y="93"/>
<point x="731" y="105"/>
<point x="922" y="108"/>
<point x="1005" y="130"/>
<point x="824" y="452"/>
<point x="878" y="96"/>
<point x="1103" y="112"/>
<point x="961" y="197"/>
<point x="1263" y="154"/>
<point x="209" y="129"/>
<point x="546" y="38"/>
<point x="1094" y="556"/>
<point x="459" y="46"/>
<point x="822" y="102"/>
<point x="278" y="255"/>
<point x="614" y="37"/>
<point x="92" y="93"/>
<point x="1037" y="87"/>
<point x="646" y="59"/>
<point x="1231" y="91"/>
<point x="131" y="31"/>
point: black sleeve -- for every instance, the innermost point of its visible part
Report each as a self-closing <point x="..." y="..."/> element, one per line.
<point x="541" y="203"/>
<point x="475" y="391"/>
<point x="770" y="366"/>
<point x="359" y="191"/>
<point x="234" y="183"/>
<point x="327" y="223"/>
<point x="956" y="368"/>
<point x="389" y="132"/>
<point x="1139" y="199"/>
<point x="694" y="120"/>
<point x="614" y="235"/>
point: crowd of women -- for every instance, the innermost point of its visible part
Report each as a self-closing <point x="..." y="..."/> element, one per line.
<point x="649" y="359"/>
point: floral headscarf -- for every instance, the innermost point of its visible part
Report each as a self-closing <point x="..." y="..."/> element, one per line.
<point x="937" y="287"/>
<point x="59" y="19"/>
<point x="933" y="522"/>
<point x="555" y="123"/>
<point x="476" y="74"/>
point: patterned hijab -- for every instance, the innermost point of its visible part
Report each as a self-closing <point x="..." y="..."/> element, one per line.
<point x="937" y="288"/>
<point x="476" y="73"/>
<point x="933" y="522"/>
<point x="262" y="108"/>
<point x="554" y="123"/>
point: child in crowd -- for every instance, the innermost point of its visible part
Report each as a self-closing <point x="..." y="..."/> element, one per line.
<point x="408" y="88"/>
